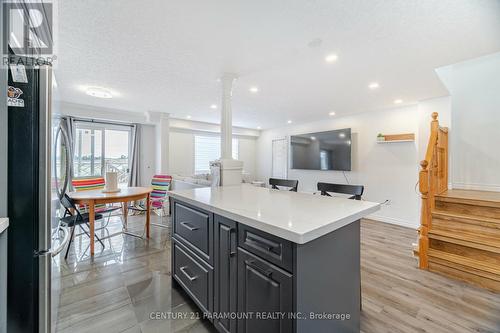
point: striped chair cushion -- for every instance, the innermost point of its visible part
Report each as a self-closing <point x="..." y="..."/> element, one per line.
<point x="87" y="184"/>
<point x="158" y="197"/>
<point x="160" y="185"/>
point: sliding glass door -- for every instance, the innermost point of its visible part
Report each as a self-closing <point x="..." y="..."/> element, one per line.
<point x="88" y="152"/>
<point x="117" y="148"/>
<point x="100" y="148"/>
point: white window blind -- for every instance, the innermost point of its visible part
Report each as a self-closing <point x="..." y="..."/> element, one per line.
<point x="207" y="149"/>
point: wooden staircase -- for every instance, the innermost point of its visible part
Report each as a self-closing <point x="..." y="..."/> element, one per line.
<point x="459" y="234"/>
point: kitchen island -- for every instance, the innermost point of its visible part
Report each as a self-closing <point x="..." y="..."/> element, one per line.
<point x="257" y="260"/>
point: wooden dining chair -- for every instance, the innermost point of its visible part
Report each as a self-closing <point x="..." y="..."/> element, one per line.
<point x="291" y="184"/>
<point x="356" y="191"/>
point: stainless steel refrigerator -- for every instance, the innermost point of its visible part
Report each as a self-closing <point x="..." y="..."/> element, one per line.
<point x="28" y="207"/>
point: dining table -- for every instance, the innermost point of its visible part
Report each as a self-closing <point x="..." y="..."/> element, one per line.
<point x="90" y="198"/>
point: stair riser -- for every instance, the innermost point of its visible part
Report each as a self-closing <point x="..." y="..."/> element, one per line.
<point x="468" y="209"/>
<point x="485" y="229"/>
<point x="456" y="239"/>
<point x="461" y="273"/>
<point x="465" y="251"/>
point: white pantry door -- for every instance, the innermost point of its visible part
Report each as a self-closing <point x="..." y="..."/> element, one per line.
<point x="280" y="159"/>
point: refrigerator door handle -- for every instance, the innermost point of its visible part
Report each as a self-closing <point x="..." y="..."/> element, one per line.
<point x="44" y="285"/>
<point x="44" y="144"/>
<point x="44" y="220"/>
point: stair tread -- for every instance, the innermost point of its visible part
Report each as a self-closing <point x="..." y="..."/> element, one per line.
<point x="465" y="236"/>
<point x="457" y="259"/>
<point x="485" y="198"/>
<point x="440" y="213"/>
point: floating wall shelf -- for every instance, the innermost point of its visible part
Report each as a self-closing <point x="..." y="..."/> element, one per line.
<point x="405" y="137"/>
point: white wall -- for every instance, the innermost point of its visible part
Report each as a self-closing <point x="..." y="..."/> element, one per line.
<point x="248" y="154"/>
<point x="148" y="153"/>
<point x="442" y="106"/>
<point x="475" y="103"/>
<point x="180" y="142"/>
<point x="388" y="171"/>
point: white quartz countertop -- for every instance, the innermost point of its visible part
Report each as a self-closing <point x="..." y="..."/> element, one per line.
<point x="4" y="223"/>
<point x="297" y="217"/>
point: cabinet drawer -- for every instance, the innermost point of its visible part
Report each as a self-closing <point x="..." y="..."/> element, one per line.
<point x="272" y="248"/>
<point x="194" y="228"/>
<point x="195" y="276"/>
<point x="264" y="288"/>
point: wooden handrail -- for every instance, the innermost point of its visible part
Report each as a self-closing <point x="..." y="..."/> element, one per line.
<point x="432" y="139"/>
<point x="433" y="180"/>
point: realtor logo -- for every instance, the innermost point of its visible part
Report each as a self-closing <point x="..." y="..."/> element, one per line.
<point x="28" y="30"/>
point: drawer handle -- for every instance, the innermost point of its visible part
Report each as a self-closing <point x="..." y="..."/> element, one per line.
<point x="183" y="270"/>
<point x="260" y="244"/>
<point x="266" y="272"/>
<point x="189" y="227"/>
<point x="232" y="241"/>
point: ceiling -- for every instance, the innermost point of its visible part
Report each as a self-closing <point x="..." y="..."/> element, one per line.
<point x="167" y="55"/>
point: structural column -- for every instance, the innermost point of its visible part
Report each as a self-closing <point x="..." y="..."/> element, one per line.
<point x="226" y="125"/>
<point x="162" y="135"/>
<point x="231" y="170"/>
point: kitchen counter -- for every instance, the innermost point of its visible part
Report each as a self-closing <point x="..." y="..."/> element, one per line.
<point x="4" y="223"/>
<point x="297" y="217"/>
<point x="243" y="250"/>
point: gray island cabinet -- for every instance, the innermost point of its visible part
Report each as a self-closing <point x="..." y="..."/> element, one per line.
<point x="256" y="260"/>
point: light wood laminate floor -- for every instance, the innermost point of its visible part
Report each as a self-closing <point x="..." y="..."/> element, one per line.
<point x="130" y="279"/>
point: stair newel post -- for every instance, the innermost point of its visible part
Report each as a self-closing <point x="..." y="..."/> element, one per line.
<point x="433" y="179"/>
<point x="425" y="216"/>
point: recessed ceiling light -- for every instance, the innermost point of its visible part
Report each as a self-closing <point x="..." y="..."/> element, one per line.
<point x="98" y="92"/>
<point x="259" y="128"/>
<point x="188" y="117"/>
<point x="213" y="106"/>
<point x="289" y="122"/>
<point x="332" y="113"/>
<point x="331" y="58"/>
<point x="254" y="89"/>
<point x="398" y="101"/>
<point x="373" y="85"/>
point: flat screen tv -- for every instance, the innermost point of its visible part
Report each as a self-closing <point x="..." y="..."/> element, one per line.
<point x="322" y="150"/>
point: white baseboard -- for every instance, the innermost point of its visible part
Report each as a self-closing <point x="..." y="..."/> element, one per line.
<point x="393" y="220"/>
<point x="475" y="186"/>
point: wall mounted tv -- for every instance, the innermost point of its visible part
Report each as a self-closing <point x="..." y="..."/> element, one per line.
<point x="322" y="150"/>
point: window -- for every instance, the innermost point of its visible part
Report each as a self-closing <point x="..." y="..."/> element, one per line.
<point x="100" y="148"/>
<point x="207" y="149"/>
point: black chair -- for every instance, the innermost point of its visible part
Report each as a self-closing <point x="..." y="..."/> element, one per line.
<point x="71" y="220"/>
<point x="355" y="190"/>
<point x="292" y="184"/>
